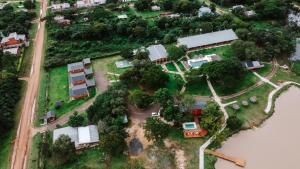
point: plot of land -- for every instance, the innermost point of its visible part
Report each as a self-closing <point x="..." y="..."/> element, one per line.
<point x="175" y="83"/>
<point x="198" y="88"/>
<point x="254" y="113"/>
<point x="224" y="52"/>
<point x="171" y="67"/>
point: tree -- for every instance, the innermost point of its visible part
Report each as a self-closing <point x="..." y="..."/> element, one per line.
<point x="272" y="9"/>
<point x="246" y="50"/>
<point x="140" y="99"/>
<point x="113" y="141"/>
<point x="63" y="149"/>
<point x="127" y="53"/>
<point x="156" y="130"/>
<point x="76" y="120"/>
<point x="163" y="96"/>
<point x="167" y="4"/>
<point x="29" y="4"/>
<point x="134" y="164"/>
<point x="142" y="5"/>
<point x="175" y="53"/>
<point x="211" y="119"/>
<point x="234" y="123"/>
<point x="187" y="102"/>
<point x="225" y="73"/>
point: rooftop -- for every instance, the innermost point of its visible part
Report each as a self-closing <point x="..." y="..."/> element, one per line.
<point x="75" y="66"/>
<point x="208" y="38"/>
<point x="157" y="52"/>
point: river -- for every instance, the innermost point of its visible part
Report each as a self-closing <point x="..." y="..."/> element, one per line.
<point x="275" y="145"/>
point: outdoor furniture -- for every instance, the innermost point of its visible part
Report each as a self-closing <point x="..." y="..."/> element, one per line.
<point x="245" y="103"/>
<point x="253" y="99"/>
<point x="235" y="106"/>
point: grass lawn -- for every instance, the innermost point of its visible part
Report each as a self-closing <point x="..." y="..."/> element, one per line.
<point x="265" y="70"/>
<point x="172" y="84"/>
<point x="108" y="65"/>
<point x="283" y="75"/>
<point x="144" y="14"/>
<point x="224" y="52"/>
<point x="248" y="80"/>
<point x="89" y="158"/>
<point x="190" y="147"/>
<point x="180" y="65"/>
<point x="199" y="88"/>
<point x="254" y="113"/>
<point x="171" y="67"/>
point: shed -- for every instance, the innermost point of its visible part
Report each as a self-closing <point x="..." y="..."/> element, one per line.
<point x="49" y="117"/>
<point x="250" y="65"/>
<point x="157" y="53"/>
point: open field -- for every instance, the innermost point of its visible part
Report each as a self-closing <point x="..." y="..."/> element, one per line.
<point x="174" y="84"/>
<point x="248" y="80"/>
<point x="198" y="88"/>
<point x="254" y="113"/>
<point x="283" y="75"/>
<point x="224" y="52"/>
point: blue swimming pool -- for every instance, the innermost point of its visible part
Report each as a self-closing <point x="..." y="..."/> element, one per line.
<point x="189" y="126"/>
<point x="198" y="64"/>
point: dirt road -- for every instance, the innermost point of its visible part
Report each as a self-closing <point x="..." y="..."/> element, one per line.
<point x="23" y="137"/>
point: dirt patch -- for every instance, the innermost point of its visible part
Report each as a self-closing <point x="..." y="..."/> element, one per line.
<point x="179" y="154"/>
<point x="101" y="81"/>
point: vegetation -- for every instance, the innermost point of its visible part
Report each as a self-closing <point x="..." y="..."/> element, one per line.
<point x="140" y="98"/>
<point x="156" y="130"/>
<point x="76" y="120"/>
<point x="63" y="149"/>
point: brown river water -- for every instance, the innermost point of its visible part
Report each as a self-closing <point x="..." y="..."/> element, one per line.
<point x="275" y="145"/>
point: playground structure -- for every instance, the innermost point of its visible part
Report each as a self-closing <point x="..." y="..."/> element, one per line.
<point x="237" y="161"/>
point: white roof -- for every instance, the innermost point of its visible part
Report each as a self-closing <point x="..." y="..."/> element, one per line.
<point x="204" y="10"/>
<point x="122" y="16"/>
<point x="208" y="38"/>
<point x="15" y="36"/>
<point x="78" y="135"/>
<point x="157" y="52"/>
<point x="13" y="51"/>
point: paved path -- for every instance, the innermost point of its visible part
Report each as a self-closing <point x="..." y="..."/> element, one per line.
<point x="209" y="141"/>
<point x="271" y="95"/>
<point x="23" y="137"/>
<point x="265" y="80"/>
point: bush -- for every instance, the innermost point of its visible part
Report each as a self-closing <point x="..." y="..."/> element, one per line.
<point x="234" y="123"/>
<point x="141" y="99"/>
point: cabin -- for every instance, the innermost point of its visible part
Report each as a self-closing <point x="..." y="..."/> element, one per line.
<point x="157" y="53"/>
<point x="14" y="40"/>
<point x="49" y="117"/>
<point x="208" y="39"/>
<point x="61" y="20"/>
<point x="251" y="65"/>
<point x="75" y="67"/>
<point x="79" y="91"/>
<point x="82" y="137"/>
<point x="60" y="7"/>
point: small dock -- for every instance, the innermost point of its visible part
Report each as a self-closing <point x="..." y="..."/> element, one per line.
<point x="237" y="161"/>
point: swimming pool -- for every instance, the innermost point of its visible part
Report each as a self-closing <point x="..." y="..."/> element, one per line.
<point x="189" y="125"/>
<point x="197" y="64"/>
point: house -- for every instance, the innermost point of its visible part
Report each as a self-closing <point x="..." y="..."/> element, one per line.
<point x="49" y="117"/>
<point x="81" y="77"/>
<point x="197" y="62"/>
<point x="250" y="65"/>
<point x="98" y="2"/>
<point x="204" y="10"/>
<point x="123" y="64"/>
<point x="294" y="19"/>
<point x="14" y="40"/>
<point x="155" y="8"/>
<point x="89" y="3"/>
<point x="12" y="51"/>
<point x="60" y="7"/>
<point x="157" y="53"/>
<point x="79" y="91"/>
<point x="208" y="39"/>
<point x="296" y="56"/>
<point x="75" y="67"/>
<point x="61" y="20"/>
<point x="198" y="107"/>
<point x="238" y="6"/>
<point x="122" y="16"/>
<point x="82" y="137"/>
<point x="250" y="13"/>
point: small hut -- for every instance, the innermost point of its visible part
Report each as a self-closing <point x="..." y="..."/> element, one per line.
<point x="135" y="147"/>
<point x="235" y="106"/>
<point x="49" y="117"/>
<point x="245" y="103"/>
<point x="253" y="99"/>
<point x="58" y="104"/>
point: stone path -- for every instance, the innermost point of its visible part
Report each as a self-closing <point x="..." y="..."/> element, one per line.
<point x="265" y="80"/>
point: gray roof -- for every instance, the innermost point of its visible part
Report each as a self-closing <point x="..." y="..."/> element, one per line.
<point x="75" y="66"/>
<point x="86" y="61"/>
<point x="208" y="38"/>
<point x="296" y="56"/>
<point x="88" y="71"/>
<point x="157" y="52"/>
<point x="123" y="64"/>
<point x="78" y="135"/>
<point x="252" y="64"/>
<point x="77" y="76"/>
<point x="78" y="90"/>
<point x="13" y="51"/>
<point x="90" y="82"/>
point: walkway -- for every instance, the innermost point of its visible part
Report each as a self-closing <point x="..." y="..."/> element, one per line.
<point x="265" y="80"/>
<point x="210" y="140"/>
<point x="271" y="95"/>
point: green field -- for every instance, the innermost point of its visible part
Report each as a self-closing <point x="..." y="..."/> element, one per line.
<point x="248" y="80"/>
<point x="265" y="70"/>
<point x="180" y="65"/>
<point x="171" y="67"/>
<point x="224" y="52"/>
<point x="173" y="85"/>
<point x="198" y="88"/>
<point x="254" y="113"/>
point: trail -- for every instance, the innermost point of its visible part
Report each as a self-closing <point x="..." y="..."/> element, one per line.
<point x="23" y="136"/>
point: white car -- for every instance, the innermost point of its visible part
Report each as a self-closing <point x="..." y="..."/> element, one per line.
<point x="155" y="114"/>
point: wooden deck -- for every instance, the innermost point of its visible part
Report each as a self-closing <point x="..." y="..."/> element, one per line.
<point x="237" y="161"/>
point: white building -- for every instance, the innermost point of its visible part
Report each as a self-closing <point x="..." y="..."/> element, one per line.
<point x="204" y="10"/>
<point x="155" y="8"/>
<point x="197" y="62"/>
<point x="82" y="137"/>
<point x="60" y="7"/>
